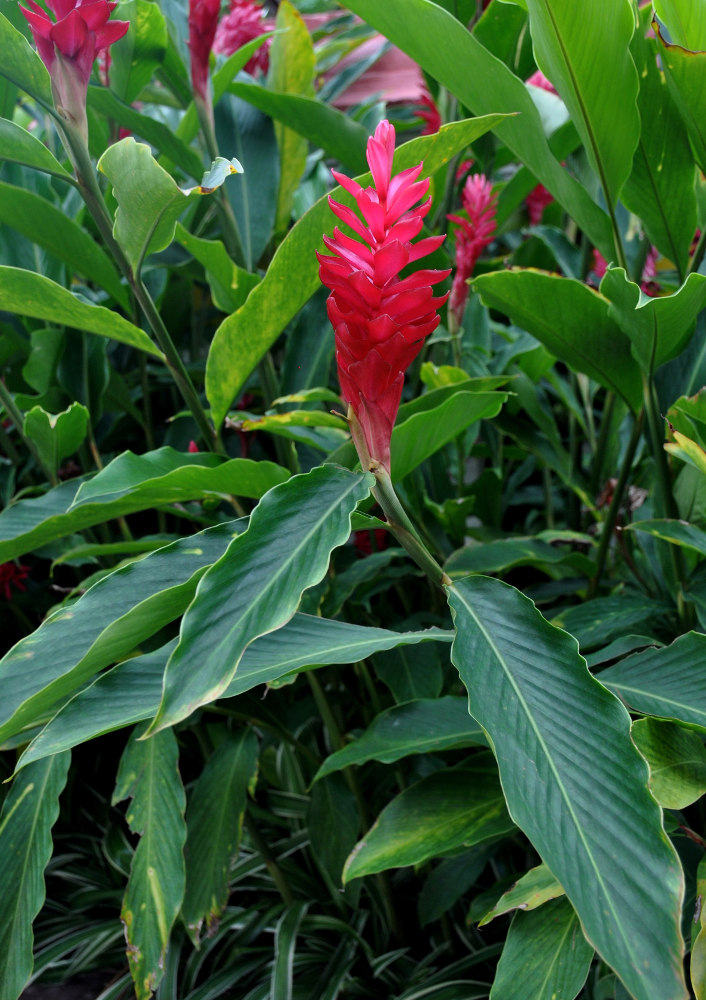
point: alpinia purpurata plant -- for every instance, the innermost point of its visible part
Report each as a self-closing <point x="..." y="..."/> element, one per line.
<point x="478" y="774"/>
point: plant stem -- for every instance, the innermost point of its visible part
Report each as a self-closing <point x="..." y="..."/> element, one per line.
<point x="15" y="414"/>
<point x="231" y="232"/>
<point x="273" y="868"/>
<point x="613" y="510"/>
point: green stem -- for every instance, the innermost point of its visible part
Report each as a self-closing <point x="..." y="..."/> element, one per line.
<point x="15" y="414"/>
<point x="273" y="868"/>
<point x="602" y="443"/>
<point x="231" y="232"/>
<point x="612" y="516"/>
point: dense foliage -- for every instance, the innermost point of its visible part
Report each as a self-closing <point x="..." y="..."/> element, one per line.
<point x="297" y="703"/>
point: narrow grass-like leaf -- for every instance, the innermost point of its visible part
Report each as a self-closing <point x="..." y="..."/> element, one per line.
<point x="447" y="809"/>
<point x="553" y="727"/>
<point x="424" y="726"/>
<point x="29" y="812"/>
<point x="214" y="823"/>
<point x="545" y="956"/>
<point x="149" y="775"/>
<point x="105" y="624"/>
<point x="256" y="586"/>
<point x="282" y="982"/>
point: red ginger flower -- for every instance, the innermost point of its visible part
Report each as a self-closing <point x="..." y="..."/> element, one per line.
<point x="69" y="46"/>
<point x="477" y="230"/>
<point x="240" y="26"/>
<point x="12" y="575"/>
<point x="428" y="113"/>
<point x="203" y="22"/>
<point x="380" y="320"/>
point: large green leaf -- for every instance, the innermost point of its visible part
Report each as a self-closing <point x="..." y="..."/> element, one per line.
<point x="572" y="321"/>
<point x="684" y="71"/>
<point x="22" y="65"/>
<point x="677" y="760"/>
<point x="668" y="682"/>
<point x="214" y="822"/>
<point x="292" y="277"/>
<point x="149" y="775"/>
<point x="658" y="328"/>
<point x="256" y="585"/>
<point x="427" y="725"/>
<point x="30" y="294"/>
<point x="445" y="810"/>
<point x="573" y="781"/>
<point x="588" y="60"/>
<point x="452" y="55"/>
<point x="132" y="691"/>
<point x="105" y="624"/>
<point x="545" y="956"/>
<point x="20" y="146"/>
<point x="686" y="20"/>
<point x="29" y="812"/>
<point x="660" y="189"/>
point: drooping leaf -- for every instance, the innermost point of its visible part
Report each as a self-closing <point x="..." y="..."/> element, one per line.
<point x="292" y="277"/>
<point x="214" y="821"/>
<point x="20" y="146"/>
<point x="545" y="956"/>
<point x="550" y="724"/>
<point x="149" y="776"/>
<point x="21" y="64"/>
<point x="677" y="761"/>
<point x="56" y="436"/>
<point x="535" y="888"/>
<point x="29" y="812"/>
<point x="424" y="726"/>
<point x="445" y="810"/>
<point x="256" y="585"/>
<point x="689" y="536"/>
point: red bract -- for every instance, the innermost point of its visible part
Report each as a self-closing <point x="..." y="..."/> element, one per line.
<point x="12" y="575"/>
<point x="240" y="26"/>
<point x="69" y="45"/>
<point x="477" y="229"/>
<point x="536" y="201"/>
<point x="380" y="320"/>
<point x="203" y="22"/>
<point x="429" y="114"/>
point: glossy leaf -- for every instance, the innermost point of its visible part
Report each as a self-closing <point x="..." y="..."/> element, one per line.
<point x="595" y="622"/>
<point x="545" y="956"/>
<point x="677" y="761"/>
<point x="29" y="294"/>
<point x="558" y="312"/>
<point x="132" y="691"/>
<point x="20" y="146"/>
<point x="680" y="533"/>
<point x="588" y="60"/>
<point x="56" y="436"/>
<point x="551" y="724"/>
<point x="137" y="56"/>
<point x="214" y="822"/>
<point x="105" y="624"/>
<point x="686" y="21"/>
<point x="447" y="809"/>
<point x="503" y="554"/>
<point x="428" y="725"/>
<point x="668" y="682"/>
<point x="658" y="328"/>
<point x="29" y="812"/>
<point x="149" y="776"/>
<point x="684" y="71"/>
<point x="292" y="277"/>
<point x="256" y="585"/>
<point x="21" y="64"/>
<point x="536" y="887"/>
<point x="446" y="50"/>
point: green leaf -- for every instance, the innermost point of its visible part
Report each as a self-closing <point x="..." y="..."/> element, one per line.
<point x="686" y="21"/>
<point x="29" y="812"/>
<point x="658" y="328"/>
<point x="446" y="50"/>
<point x="138" y="54"/>
<point x="282" y="979"/>
<point x="445" y="810"/>
<point x="537" y="886"/>
<point x="20" y="146"/>
<point x="684" y="71"/>
<point x="504" y="554"/>
<point x="588" y="60"/>
<point x="21" y="64"/>
<point x="149" y="199"/>
<point x="149" y="775"/>
<point x="292" y="69"/>
<point x="105" y="624"/>
<point x="30" y="294"/>
<point x="427" y="725"/>
<point x="292" y="277"/>
<point x="595" y="622"/>
<point x="413" y="673"/>
<point x="670" y="530"/>
<point x="668" y="682"/>
<point x="169" y="476"/>
<point x="214" y="821"/>
<point x="677" y="761"/>
<point x="697" y="966"/>
<point x="230" y="285"/>
<point x="56" y="436"/>
<point x="573" y="781"/>
<point x="545" y="955"/>
<point x="131" y="692"/>
<point x="333" y="822"/>
<point x="256" y="585"/>
<point x="559" y="312"/>
<point x="321" y="124"/>
<point x="660" y="189"/>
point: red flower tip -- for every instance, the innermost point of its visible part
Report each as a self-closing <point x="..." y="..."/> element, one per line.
<point x="429" y="114"/>
<point x="538" y="79"/>
<point x="536" y="201"/>
<point x="380" y="319"/>
<point x="12" y="575"/>
<point x="243" y="23"/>
<point x="193" y="448"/>
<point x="203" y="22"/>
<point x="476" y="230"/>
